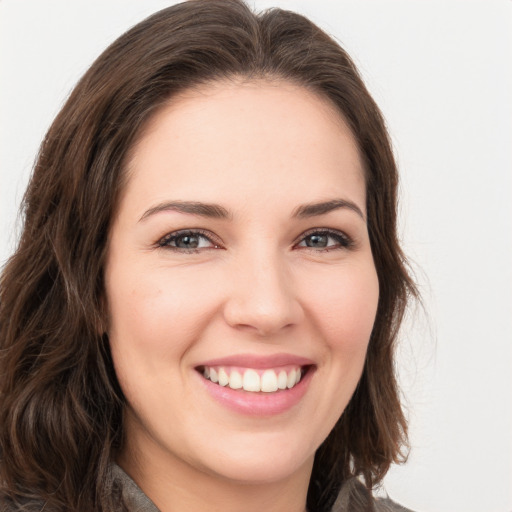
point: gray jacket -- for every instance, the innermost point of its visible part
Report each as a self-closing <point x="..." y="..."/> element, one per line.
<point x="353" y="497"/>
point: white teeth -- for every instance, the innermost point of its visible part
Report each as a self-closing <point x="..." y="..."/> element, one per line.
<point x="235" y="380"/>
<point x="282" y="379"/>
<point x="270" y="380"/>
<point x="291" y="379"/>
<point x="251" y="381"/>
<point x="223" y="377"/>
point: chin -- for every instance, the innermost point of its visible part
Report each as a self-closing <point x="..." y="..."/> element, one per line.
<point x="261" y="459"/>
<point x="263" y="472"/>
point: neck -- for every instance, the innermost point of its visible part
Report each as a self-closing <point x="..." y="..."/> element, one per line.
<point x="175" y="486"/>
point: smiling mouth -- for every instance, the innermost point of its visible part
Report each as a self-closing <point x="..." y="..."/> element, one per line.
<point x="255" y="380"/>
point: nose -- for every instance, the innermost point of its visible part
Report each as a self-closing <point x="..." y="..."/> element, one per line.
<point x="261" y="295"/>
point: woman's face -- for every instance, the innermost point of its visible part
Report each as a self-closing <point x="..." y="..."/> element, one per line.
<point x="239" y="259"/>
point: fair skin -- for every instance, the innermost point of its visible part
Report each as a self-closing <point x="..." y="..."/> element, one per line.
<point x="261" y="283"/>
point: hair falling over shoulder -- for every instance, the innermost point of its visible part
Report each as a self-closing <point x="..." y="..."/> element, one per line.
<point x="61" y="407"/>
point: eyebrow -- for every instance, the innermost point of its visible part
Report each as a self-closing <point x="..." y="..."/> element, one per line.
<point x="314" y="209"/>
<point x="217" y="211"/>
<point x="191" y="207"/>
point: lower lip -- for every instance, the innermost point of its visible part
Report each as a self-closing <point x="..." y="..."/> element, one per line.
<point x="258" y="404"/>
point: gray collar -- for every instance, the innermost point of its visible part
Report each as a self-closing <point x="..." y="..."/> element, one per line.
<point x="133" y="497"/>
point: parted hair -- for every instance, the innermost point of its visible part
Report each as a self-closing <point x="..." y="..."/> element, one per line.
<point x="61" y="407"/>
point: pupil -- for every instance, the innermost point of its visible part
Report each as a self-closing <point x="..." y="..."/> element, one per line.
<point x="187" y="242"/>
<point x="316" y="241"/>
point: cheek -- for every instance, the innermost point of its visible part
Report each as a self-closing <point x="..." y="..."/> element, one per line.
<point x="345" y="310"/>
<point x="152" y="318"/>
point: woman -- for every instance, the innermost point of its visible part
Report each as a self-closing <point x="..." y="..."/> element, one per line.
<point x="204" y="302"/>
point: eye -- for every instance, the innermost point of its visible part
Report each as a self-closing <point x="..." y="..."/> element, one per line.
<point x="325" y="239"/>
<point x="187" y="241"/>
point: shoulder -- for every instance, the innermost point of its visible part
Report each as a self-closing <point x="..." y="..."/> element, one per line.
<point x="125" y="496"/>
<point x="388" y="505"/>
<point x="7" y="505"/>
<point x="354" y="497"/>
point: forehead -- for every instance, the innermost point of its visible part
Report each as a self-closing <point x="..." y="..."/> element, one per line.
<point x="238" y="94"/>
<point x="228" y="139"/>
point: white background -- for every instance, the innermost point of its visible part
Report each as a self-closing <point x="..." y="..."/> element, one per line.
<point x="442" y="73"/>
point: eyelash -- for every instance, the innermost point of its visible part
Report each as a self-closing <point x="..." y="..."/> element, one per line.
<point x="343" y="241"/>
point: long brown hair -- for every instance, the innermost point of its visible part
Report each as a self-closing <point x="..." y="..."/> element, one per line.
<point x="60" y="404"/>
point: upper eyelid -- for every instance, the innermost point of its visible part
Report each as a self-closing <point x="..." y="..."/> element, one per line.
<point x="322" y="230"/>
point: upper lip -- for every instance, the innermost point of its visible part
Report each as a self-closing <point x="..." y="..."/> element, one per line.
<point x="259" y="361"/>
